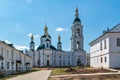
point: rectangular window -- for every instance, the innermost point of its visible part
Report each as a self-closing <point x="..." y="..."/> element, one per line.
<point x="68" y="62"/>
<point x="118" y="42"/>
<point x="54" y="61"/>
<point x="59" y="62"/>
<point x="101" y="60"/>
<point x="59" y="56"/>
<point x="47" y="45"/>
<point x="2" y="65"/>
<point x="64" y="62"/>
<point x="8" y="65"/>
<point x="105" y="44"/>
<point x="100" y="45"/>
<point x="105" y="59"/>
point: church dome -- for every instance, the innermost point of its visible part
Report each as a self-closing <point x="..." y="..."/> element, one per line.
<point x="43" y="47"/>
<point x="77" y="20"/>
<point x="52" y="47"/>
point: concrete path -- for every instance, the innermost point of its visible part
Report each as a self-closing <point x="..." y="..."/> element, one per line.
<point x="39" y="75"/>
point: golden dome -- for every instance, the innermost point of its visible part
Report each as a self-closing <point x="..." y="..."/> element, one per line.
<point x="46" y="28"/>
<point x="32" y="37"/>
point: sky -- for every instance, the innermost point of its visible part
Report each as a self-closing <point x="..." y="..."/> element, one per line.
<point x="21" y="18"/>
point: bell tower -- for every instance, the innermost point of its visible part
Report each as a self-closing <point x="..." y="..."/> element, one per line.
<point x="77" y="33"/>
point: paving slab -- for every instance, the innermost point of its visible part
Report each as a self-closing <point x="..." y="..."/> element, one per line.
<point x="39" y="75"/>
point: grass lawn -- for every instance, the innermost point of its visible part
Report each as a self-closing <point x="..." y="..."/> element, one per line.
<point x="57" y="71"/>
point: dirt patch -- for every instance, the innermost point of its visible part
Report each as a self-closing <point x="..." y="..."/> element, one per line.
<point x="71" y="70"/>
<point x="86" y="71"/>
<point x="103" y="77"/>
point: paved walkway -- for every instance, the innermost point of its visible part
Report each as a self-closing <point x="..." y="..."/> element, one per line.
<point x="39" y="75"/>
<point x="90" y="74"/>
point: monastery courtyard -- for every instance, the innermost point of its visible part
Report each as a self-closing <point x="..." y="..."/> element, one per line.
<point x="70" y="74"/>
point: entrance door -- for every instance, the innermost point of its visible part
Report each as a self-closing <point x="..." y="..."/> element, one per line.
<point x="47" y="62"/>
<point x="78" y="62"/>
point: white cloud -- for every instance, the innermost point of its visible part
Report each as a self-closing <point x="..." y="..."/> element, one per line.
<point x="30" y="34"/>
<point x="8" y="42"/>
<point x="35" y="36"/>
<point x="28" y="1"/>
<point x="59" y="29"/>
<point x="36" y="47"/>
<point x="20" y="47"/>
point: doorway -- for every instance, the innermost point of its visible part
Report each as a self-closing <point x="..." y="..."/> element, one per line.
<point x="47" y="62"/>
<point x="78" y="62"/>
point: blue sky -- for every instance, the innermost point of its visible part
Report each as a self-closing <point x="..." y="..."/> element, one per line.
<point x="20" y="18"/>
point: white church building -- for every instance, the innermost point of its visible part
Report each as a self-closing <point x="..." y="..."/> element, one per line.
<point x="105" y="50"/>
<point x="46" y="55"/>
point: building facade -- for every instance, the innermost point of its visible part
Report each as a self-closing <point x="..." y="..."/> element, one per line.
<point x="47" y="55"/>
<point x="13" y="60"/>
<point x="105" y="50"/>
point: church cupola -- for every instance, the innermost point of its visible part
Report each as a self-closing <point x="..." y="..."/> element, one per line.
<point x="59" y="44"/>
<point x="77" y="19"/>
<point x="46" y="29"/>
<point x="32" y="44"/>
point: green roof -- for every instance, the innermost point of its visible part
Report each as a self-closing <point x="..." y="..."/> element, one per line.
<point x="43" y="47"/>
<point x="52" y="47"/>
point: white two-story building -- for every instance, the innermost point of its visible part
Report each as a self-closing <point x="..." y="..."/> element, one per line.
<point x="13" y="60"/>
<point x="105" y="50"/>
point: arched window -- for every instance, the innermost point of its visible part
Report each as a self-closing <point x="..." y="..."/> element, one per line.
<point x="78" y="45"/>
<point x="47" y="45"/>
<point x="78" y="32"/>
